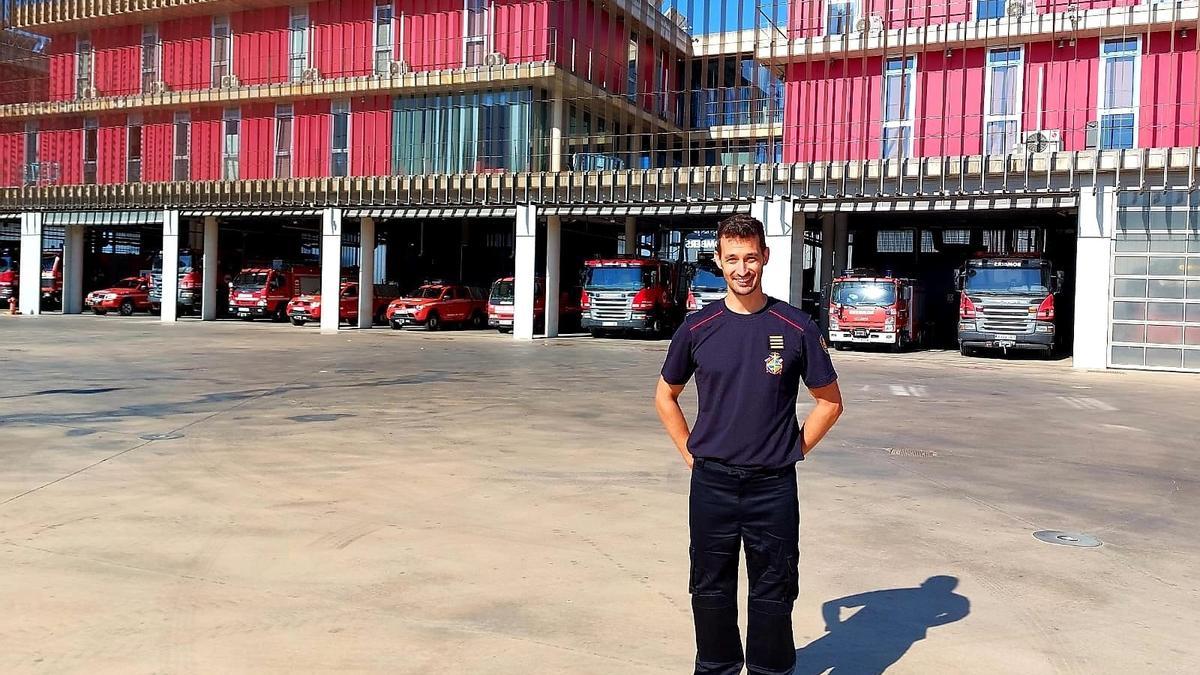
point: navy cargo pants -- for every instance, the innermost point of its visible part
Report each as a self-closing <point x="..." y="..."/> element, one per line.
<point x="728" y="506"/>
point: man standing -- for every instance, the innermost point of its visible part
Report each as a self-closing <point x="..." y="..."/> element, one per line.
<point x="749" y="355"/>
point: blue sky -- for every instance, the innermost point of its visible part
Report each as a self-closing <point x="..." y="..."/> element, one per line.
<point x="715" y="16"/>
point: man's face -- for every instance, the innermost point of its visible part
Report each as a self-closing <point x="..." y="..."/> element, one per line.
<point x="741" y="262"/>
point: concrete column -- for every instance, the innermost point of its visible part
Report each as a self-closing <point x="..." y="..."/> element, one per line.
<point x="841" y="243"/>
<point x="553" y="272"/>
<point x="1097" y="216"/>
<point x="366" y="273"/>
<point x="331" y="269"/>
<point x="782" y="277"/>
<point x="828" y="235"/>
<point x="170" y="267"/>
<point x="208" y="292"/>
<point x="631" y="234"/>
<point x="29" y="297"/>
<point x="557" y="124"/>
<point x="524" y="272"/>
<point x="72" y="291"/>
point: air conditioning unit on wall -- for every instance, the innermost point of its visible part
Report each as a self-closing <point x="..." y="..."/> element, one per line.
<point x="310" y="75"/>
<point x="495" y="59"/>
<point x="228" y="81"/>
<point x="1019" y="8"/>
<point x="1042" y="140"/>
<point x="87" y="92"/>
<point x="871" y="25"/>
<point x="397" y="68"/>
<point x="157" y="87"/>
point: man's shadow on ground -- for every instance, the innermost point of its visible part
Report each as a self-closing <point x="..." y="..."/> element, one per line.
<point x="889" y="622"/>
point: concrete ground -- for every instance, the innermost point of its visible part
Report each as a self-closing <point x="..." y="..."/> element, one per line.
<point x="201" y="498"/>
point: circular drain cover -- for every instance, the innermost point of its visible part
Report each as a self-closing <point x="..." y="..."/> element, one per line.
<point x="1067" y="538"/>
<point x="169" y="436"/>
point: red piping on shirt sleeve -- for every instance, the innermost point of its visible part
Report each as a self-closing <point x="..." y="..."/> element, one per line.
<point x="693" y="328"/>
<point x="788" y="321"/>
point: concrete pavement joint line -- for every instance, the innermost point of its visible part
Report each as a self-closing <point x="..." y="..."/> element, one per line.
<point x="140" y="445"/>
<point x="101" y="561"/>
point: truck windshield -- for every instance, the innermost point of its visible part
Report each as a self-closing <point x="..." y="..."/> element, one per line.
<point x="186" y="263"/>
<point x="864" y="294"/>
<point x="1008" y="281"/>
<point x="250" y="280"/>
<point x="502" y="291"/>
<point x="707" y="279"/>
<point x="617" y="278"/>
<point x="128" y="283"/>
<point x="426" y="292"/>
<point x="8" y="263"/>
<point x="48" y="263"/>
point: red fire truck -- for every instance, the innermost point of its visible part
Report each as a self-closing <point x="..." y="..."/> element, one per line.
<point x="304" y="308"/>
<point x="265" y="291"/>
<point x="645" y="295"/>
<point x="51" y="277"/>
<point x="869" y="308"/>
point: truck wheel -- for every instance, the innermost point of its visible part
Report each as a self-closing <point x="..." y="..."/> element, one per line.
<point x="126" y="308"/>
<point x="380" y="318"/>
<point x="597" y="332"/>
<point x="100" y="312"/>
<point x="396" y="325"/>
<point x="504" y="329"/>
<point x="299" y="322"/>
<point x="434" y="322"/>
<point x="966" y="351"/>
<point x="900" y="345"/>
<point x="478" y="321"/>
<point x="280" y="314"/>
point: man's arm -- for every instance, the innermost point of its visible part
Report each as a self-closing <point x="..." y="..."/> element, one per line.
<point x="822" y="417"/>
<point x="666" y="402"/>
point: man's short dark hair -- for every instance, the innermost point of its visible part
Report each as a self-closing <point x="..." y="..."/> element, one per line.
<point x="741" y="226"/>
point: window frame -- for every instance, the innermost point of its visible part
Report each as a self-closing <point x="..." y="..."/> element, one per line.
<point x="134" y="123"/>
<point x="90" y="145"/>
<point x="334" y="151"/>
<point x="181" y="159"/>
<point x="283" y="111"/>
<point x="151" y="39"/>
<point x="855" y="7"/>
<point x="483" y="39"/>
<point x="910" y="105"/>
<point x="231" y="116"/>
<point x="382" y="67"/>
<point x="1134" y="110"/>
<point x="295" y="14"/>
<point x="975" y="4"/>
<point x="1019" y="95"/>
<point x="85" y="52"/>
<point x="218" y="22"/>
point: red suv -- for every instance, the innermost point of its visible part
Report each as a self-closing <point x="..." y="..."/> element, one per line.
<point x="126" y="296"/>
<point x="438" y="305"/>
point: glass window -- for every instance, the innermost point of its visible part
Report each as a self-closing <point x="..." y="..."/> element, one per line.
<point x="1167" y="266"/>
<point x="1128" y="356"/>
<point x="1129" y="288"/>
<point x="231" y="121"/>
<point x="475" y="31"/>
<point x="1129" y="265"/>
<point x="1129" y="332"/>
<point x="151" y="60"/>
<point x="340" y="160"/>
<point x="283" y="141"/>
<point x="384" y="36"/>
<point x="182" y="136"/>
<point x="133" y="149"/>
<point x="83" y="64"/>
<point x="1162" y="288"/>
<point x="898" y="100"/>
<point x="1003" y="101"/>
<point x="90" y="148"/>
<point x="1118" y="94"/>
<point x="222" y="50"/>
<point x="989" y="9"/>
<point x="1129" y="311"/>
<point x="1164" y="358"/>
<point x="839" y="16"/>
<point x="297" y="42"/>
<point x="1164" y="311"/>
<point x="631" y="84"/>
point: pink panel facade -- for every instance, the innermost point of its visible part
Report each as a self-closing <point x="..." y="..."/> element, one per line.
<point x="1170" y="114"/>
<point x="809" y="18"/>
<point x="949" y="105"/>
<point x="206" y="144"/>
<point x="60" y="145"/>
<point x="12" y="153"/>
<point x="118" y="55"/>
<point x="433" y="33"/>
<point x="832" y="111"/>
<point x="110" y="149"/>
<point x="157" y="147"/>
<point x="592" y="43"/>
<point x="341" y="37"/>
<point x="1070" y="89"/>
<point x="312" y="139"/>
<point x="187" y="53"/>
<point x="61" y="57"/>
<point x="260" y="45"/>
<point x="370" y="136"/>
<point x="522" y="30"/>
<point x="258" y="141"/>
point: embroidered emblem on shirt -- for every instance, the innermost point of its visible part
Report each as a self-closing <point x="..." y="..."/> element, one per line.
<point x="775" y="342"/>
<point x="774" y="363"/>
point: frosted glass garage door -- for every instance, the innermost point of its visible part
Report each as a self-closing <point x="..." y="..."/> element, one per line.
<point x="1156" y="301"/>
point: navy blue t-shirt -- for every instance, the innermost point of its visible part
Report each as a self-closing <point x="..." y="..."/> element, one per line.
<point x="748" y="370"/>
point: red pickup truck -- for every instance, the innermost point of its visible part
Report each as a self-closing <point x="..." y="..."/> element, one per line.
<point x="307" y="307"/>
<point x="437" y="305"/>
<point x="126" y="297"/>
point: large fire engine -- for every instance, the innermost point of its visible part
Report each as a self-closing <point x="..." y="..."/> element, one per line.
<point x="645" y="295"/>
<point x="266" y="291"/>
<point x="869" y="308"/>
<point x="1008" y="302"/>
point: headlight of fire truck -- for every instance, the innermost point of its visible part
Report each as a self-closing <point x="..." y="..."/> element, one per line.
<point x="315" y="305"/>
<point x="833" y="322"/>
<point x="262" y="303"/>
<point x="889" y="325"/>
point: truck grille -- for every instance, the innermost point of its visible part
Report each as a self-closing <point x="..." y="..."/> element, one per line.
<point x="156" y="287"/>
<point x="1006" y="319"/>
<point x="705" y="299"/>
<point x="612" y="307"/>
